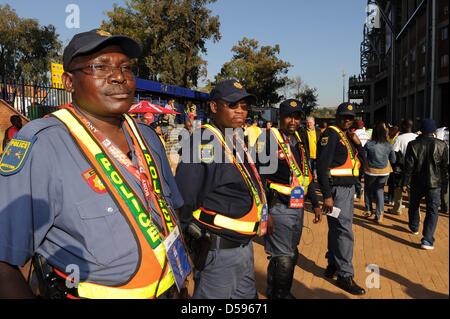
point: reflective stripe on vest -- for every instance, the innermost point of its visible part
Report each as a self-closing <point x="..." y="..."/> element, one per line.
<point x="303" y="181"/>
<point x="282" y="189"/>
<point x="352" y="164"/>
<point x="153" y="276"/>
<point x="94" y="291"/>
<point x="210" y="218"/>
<point x="247" y="225"/>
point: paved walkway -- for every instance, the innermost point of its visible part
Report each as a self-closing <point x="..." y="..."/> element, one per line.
<point x="406" y="270"/>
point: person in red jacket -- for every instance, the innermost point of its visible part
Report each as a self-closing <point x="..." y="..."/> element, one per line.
<point x="11" y="131"/>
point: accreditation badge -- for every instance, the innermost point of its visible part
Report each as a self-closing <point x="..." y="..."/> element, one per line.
<point x="263" y="223"/>
<point x="297" y="199"/>
<point x="177" y="257"/>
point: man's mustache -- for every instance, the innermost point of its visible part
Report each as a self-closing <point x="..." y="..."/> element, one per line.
<point x="117" y="90"/>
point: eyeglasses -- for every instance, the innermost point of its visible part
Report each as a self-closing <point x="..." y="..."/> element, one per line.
<point x="102" y="71"/>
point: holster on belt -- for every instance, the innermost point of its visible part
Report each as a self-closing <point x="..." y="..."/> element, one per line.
<point x="199" y="243"/>
<point x="200" y="249"/>
<point x="51" y="286"/>
<point x="272" y="198"/>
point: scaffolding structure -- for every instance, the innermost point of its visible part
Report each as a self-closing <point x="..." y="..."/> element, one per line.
<point x="404" y="62"/>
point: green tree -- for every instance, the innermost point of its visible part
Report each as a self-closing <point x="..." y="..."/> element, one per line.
<point x="173" y="35"/>
<point x="26" y="48"/>
<point x="259" y="69"/>
<point x="297" y="86"/>
<point x="324" y="112"/>
<point x="308" y="96"/>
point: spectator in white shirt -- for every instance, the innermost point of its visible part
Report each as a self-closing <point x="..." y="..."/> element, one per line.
<point x="363" y="136"/>
<point x="442" y="134"/>
<point x="400" y="145"/>
<point x="361" y="132"/>
<point x="171" y="117"/>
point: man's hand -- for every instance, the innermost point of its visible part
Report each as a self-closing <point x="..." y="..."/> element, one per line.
<point x="352" y="136"/>
<point x="328" y="204"/>
<point x="318" y="215"/>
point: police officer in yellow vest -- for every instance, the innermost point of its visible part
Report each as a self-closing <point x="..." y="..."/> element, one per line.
<point x="288" y="186"/>
<point x="224" y="200"/>
<point x="89" y="192"/>
<point x="338" y="167"/>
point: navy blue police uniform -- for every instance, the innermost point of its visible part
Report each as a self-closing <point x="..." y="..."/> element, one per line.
<point x="281" y="245"/>
<point x="339" y="160"/>
<point x="53" y="205"/>
<point x="213" y="188"/>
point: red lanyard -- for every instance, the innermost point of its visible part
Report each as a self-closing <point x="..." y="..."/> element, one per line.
<point x="290" y="157"/>
<point x="250" y="163"/>
<point x="114" y="151"/>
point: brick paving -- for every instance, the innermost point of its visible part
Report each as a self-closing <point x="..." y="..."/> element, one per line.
<point x="406" y="270"/>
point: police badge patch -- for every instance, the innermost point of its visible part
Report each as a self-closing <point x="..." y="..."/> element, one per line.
<point x="94" y="182"/>
<point x="281" y="155"/>
<point x="260" y="147"/>
<point x="207" y="153"/>
<point x="324" y="141"/>
<point x="14" y="156"/>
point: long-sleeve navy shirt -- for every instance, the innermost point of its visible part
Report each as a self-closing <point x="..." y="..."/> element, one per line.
<point x="332" y="153"/>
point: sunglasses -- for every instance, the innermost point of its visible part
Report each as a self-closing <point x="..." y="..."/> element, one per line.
<point x="235" y="105"/>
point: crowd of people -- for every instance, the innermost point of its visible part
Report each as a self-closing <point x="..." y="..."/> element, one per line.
<point x="91" y="187"/>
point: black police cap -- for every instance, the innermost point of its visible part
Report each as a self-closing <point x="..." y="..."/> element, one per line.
<point x="94" y="40"/>
<point x="345" y="109"/>
<point x="290" y="106"/>
<point x="231" y="91"/>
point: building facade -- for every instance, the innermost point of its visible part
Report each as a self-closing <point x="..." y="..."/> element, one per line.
<point x="404" y="62"/>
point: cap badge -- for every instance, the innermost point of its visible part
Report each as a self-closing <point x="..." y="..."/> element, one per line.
<point x="103" y="33"/>
<point x="293" y="104"/>
<point x="350" y="107"/>
<point x="238" y="85"/>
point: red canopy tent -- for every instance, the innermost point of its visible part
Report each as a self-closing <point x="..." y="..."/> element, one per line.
<point x="147" y="107"/>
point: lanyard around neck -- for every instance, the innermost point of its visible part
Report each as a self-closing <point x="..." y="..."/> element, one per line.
<point x="113" y="150"/>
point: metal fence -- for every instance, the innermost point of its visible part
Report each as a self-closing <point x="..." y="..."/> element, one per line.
<point x="36" y="100"/>
<point x="31" y="99"/>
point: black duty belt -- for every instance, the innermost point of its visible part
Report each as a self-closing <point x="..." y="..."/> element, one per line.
<point x="218" y="242"/>
<point x="53" y="286"/>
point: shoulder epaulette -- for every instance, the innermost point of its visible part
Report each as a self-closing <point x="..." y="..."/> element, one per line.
<point x="18" y="149"/>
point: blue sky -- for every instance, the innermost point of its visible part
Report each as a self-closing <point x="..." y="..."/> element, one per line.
<point x="320" y="38"/>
